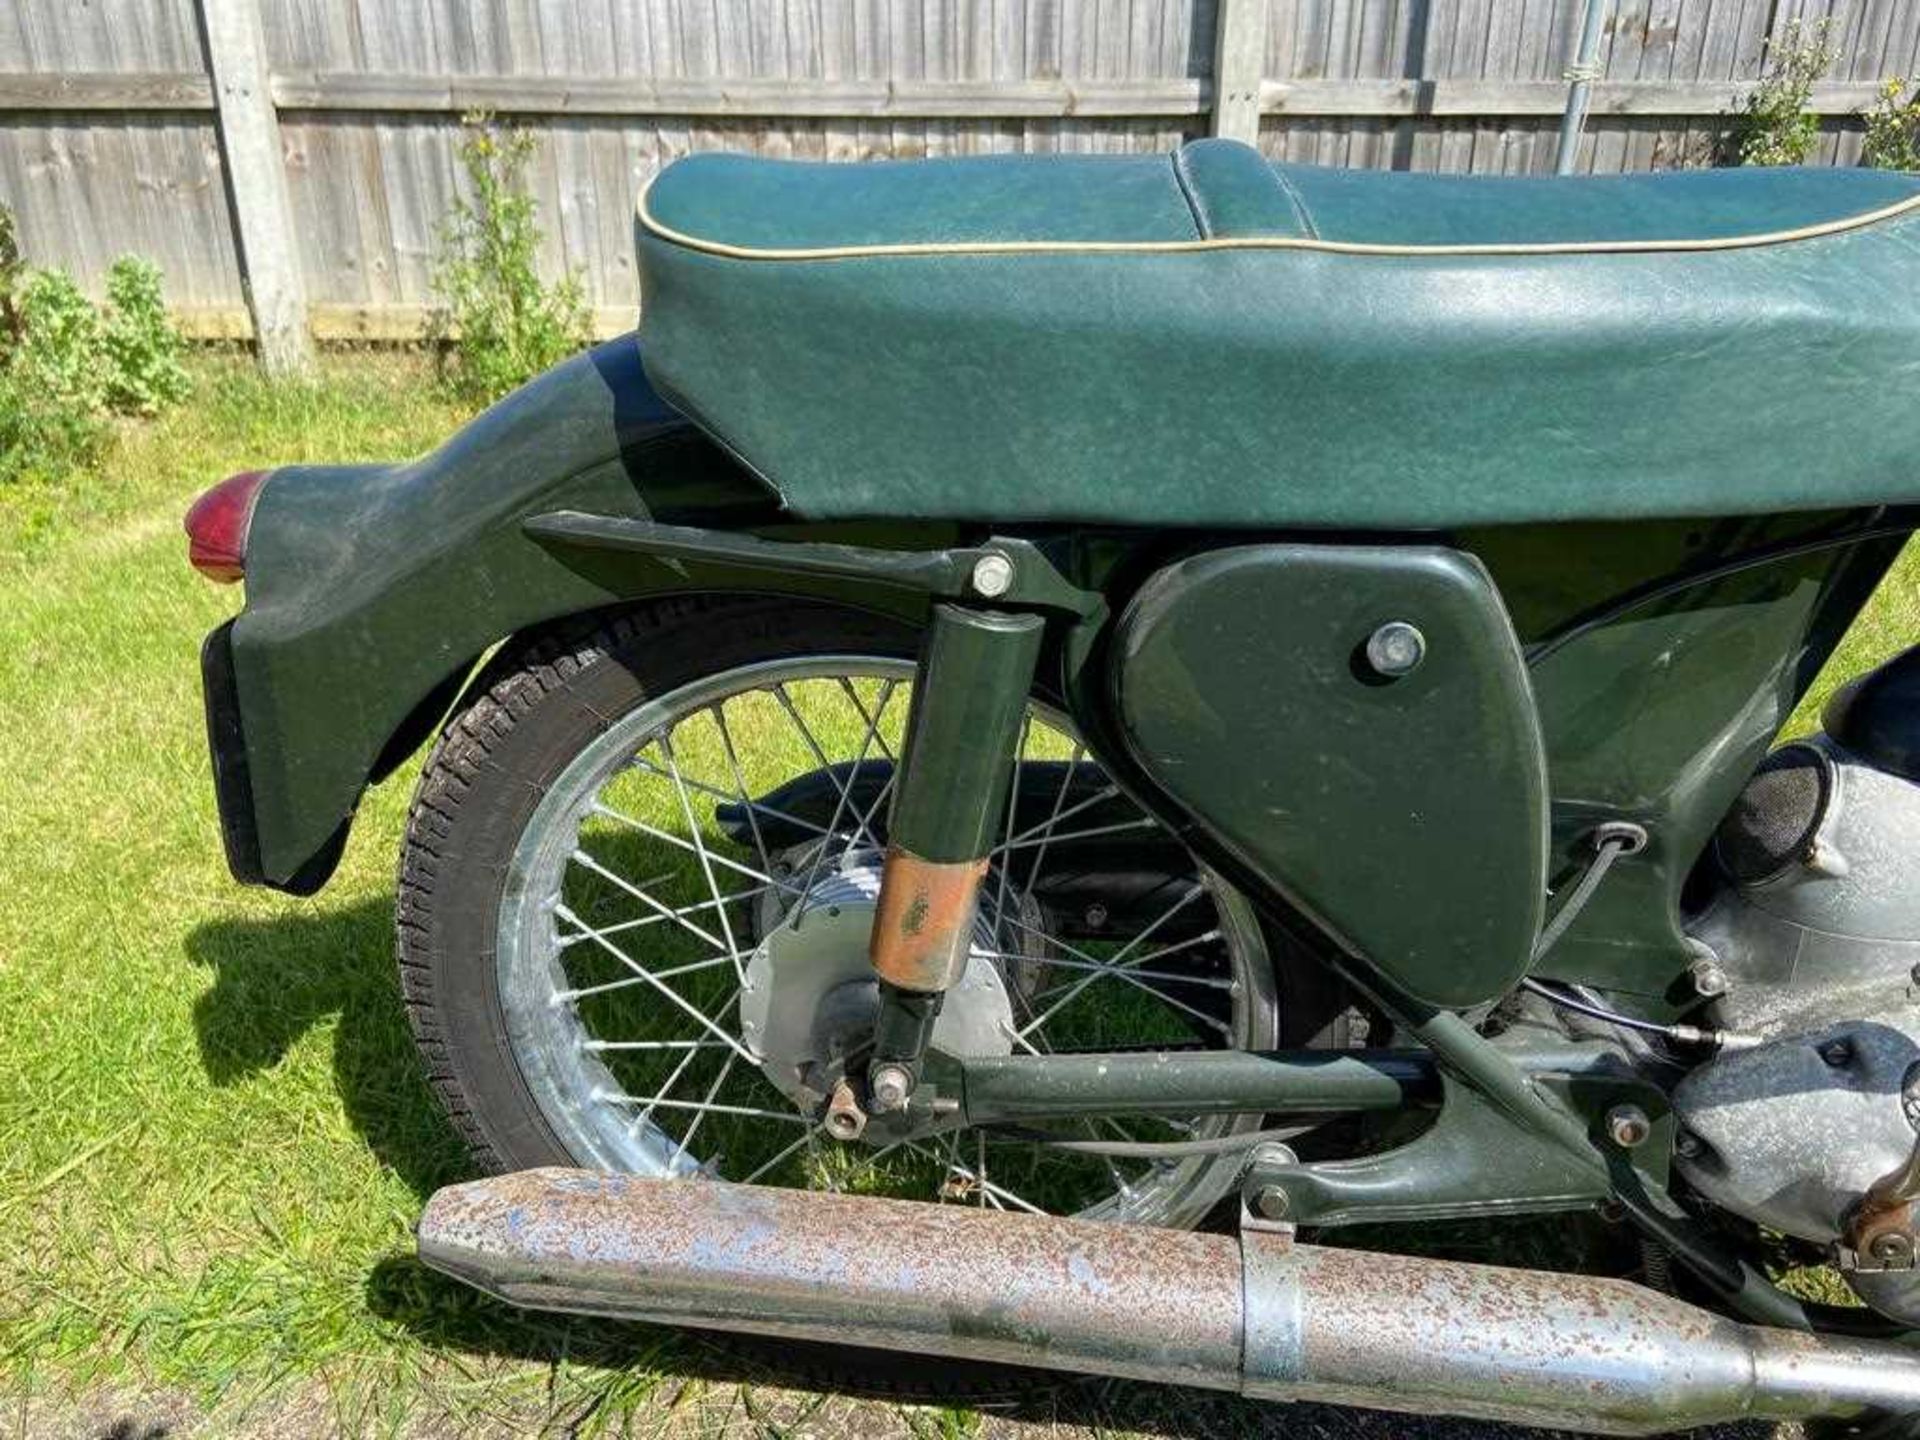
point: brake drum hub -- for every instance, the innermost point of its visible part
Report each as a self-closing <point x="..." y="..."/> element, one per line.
<point x="811" y="995"/>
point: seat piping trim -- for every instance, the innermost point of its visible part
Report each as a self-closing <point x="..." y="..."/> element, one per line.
<point x="928" y="249"/>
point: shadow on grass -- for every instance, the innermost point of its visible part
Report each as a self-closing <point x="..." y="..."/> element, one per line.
<point x="275" y="979"/>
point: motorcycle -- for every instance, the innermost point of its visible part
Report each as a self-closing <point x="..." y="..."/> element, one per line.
<point x="1041" y="704"/>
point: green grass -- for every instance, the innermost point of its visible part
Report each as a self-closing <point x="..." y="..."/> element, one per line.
<point x="213" y="1138"/>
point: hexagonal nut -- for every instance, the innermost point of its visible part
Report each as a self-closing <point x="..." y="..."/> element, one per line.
<point x="992" y="575"/>
<point x="1628" y="1126"/>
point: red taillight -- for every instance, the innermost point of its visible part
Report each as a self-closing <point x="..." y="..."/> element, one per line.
<point x="217" y="526"/>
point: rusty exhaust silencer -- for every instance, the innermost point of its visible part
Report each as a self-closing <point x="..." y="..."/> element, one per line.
<point x="1260" y="1314"/>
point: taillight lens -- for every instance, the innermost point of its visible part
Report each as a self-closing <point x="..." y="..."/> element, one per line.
<point x="217" y="526"/>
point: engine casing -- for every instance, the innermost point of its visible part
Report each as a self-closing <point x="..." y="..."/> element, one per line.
<point x="1816" y="940"/>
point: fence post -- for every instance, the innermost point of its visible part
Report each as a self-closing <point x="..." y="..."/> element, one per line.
<point x="1239" y="57"/>
<point x="257" y="183"/>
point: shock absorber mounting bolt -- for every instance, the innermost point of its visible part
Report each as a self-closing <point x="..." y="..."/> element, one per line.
<point x="992" y="575"/>
<point x="888" y="1088"/>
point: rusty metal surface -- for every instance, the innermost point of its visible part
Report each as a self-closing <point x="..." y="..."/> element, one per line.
<point x="1113" y="1299"/>
<point x="1263" y="1315"/>
<point x="923" y="927"/>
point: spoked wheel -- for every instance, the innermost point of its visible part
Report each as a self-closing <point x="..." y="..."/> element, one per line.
<point x="636" y="892"/>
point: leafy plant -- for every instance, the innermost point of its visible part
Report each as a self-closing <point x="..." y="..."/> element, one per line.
<point x="141" y="345"/>
<point x="501" y="322"/>
<point x="1775" y="127"/>
<point x="12" y="272"/>
<point x="65" y="365"/>
<point x="53" y="389"/>
<point x="1893" y="127"/>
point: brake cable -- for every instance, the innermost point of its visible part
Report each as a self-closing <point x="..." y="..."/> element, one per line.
<point x="1611" y="841"/>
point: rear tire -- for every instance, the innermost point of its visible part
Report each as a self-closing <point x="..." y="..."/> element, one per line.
<point x="479" y="789"/>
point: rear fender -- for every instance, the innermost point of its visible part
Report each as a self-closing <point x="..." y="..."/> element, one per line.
<point x="372" y="590"/>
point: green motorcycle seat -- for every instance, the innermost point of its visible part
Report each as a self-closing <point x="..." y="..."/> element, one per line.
<point x="1208" y="339"/>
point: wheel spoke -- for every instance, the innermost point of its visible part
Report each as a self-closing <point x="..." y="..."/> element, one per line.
<point x="987" y="1187"/>
<point x="1053" y="820"/>
<point x="1106" y="793"/>
<point x="805" y="1141"/>
<point x="873" y="723"/>
<point x="660" y="985"/>
<point x="615" y="1097"/>
<point x="707" y="1108"/>
<point x="719" y="712"/>
<point x="846" y="795"/>
<point x="677" y="912"/>
<point x="706" y="865"/>
<point x="664" y="911"/>
<point x="1212" y="982"/>
<point x="806" y="734"/>
<point x="1143" y="823"/>
<point x="600" y="807"/>
<point x="1013" y="807"/>
<point x="1117" y="963"/>
<point x="632" y="980"/>
<point x="641" y="763"/>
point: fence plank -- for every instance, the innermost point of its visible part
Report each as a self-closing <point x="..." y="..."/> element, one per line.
<point x="106" y="90"/>
<point x="1240" y="52"/>
<point x="257" y="182"/>
<point x="386" y="94"/>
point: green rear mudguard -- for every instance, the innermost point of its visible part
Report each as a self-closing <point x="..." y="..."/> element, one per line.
<point x="372" y="590"/>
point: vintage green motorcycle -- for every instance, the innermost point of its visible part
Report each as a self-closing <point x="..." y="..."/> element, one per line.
<point x="1158" y="689"/>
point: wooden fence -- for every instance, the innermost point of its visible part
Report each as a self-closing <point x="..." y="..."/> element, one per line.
<point x="296" y="156"/>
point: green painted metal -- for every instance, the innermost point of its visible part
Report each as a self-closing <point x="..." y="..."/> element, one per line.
<point x="950" y="792"/>
<point x="1032" y="579"/>
<point x="371" y="587"/>
<point x="1659" y="714"/>
<point x="1243" y="688"/>
<point x="1251" y="385"/>
<point x="1002" y="1089"/>
<point x="1474" y="1160"/>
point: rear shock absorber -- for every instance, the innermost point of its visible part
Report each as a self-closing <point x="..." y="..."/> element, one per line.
<point x="950" y="797"/>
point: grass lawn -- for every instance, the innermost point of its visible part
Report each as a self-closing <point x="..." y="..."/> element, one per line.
<point x="213" y="1136"/>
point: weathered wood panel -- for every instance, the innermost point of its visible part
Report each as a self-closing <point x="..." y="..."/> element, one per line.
<point x="85" y="190"/>
<point x="107" y="138"/>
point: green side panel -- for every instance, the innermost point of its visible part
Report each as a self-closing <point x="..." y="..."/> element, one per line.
<point x="1288" y="387"/>
<point x="1407" y="817"/>
<point x="1659" y="714"/>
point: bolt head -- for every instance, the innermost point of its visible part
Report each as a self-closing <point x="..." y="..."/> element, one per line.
<point x="889" y="1087"/>
<point x="1837" y="1052"/>
<point x="1270" y="1202"/>
<point x="1892" y="1249"/>
<point x="1396" y="649"/>
<point x="1709" y="979"/>
<point x="1628" y="1126"/>
<point x="992" y="575"/>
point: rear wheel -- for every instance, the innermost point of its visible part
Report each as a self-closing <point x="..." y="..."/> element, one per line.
<point x="634" y="895"/>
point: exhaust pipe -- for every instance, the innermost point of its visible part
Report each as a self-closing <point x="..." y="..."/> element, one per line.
<point x="1260" y="1314"/>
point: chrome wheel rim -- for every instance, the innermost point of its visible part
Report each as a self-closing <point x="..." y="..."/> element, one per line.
<point x="630" y="918"/>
